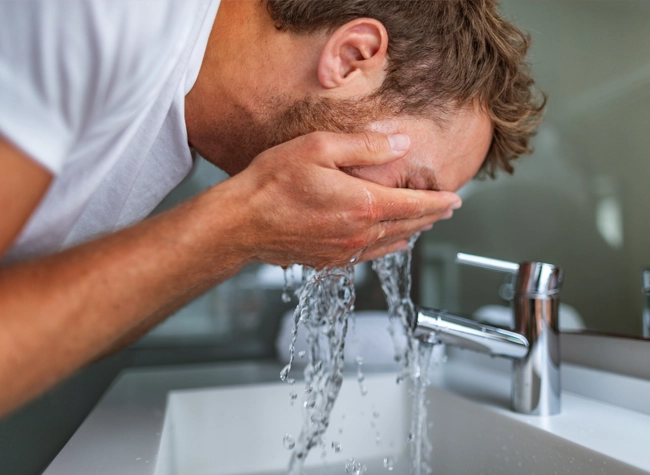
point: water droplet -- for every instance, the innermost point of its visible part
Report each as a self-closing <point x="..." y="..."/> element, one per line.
<point x="336" y="447"/>
<point x="389" y="464"/>
<point x="301" y="353"/>
<point x="292" y="396"/>
<point x="288" y="442"/>
<point x="286" y="298"/>
<point x="316" y="418"/>
<point x="353" y="467"/>
<point x="285" y="372"/>
<point x="309" y="404"/>
<point x="409" y="438"/>
<point x="375" y="415"/>
<point x="291" y="381"/>
<point x="309" y="389"/>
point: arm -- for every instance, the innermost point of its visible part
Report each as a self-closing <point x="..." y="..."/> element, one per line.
<point x="292" y="204"/>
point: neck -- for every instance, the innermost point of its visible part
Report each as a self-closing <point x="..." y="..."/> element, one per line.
<point x="249" y="69"/>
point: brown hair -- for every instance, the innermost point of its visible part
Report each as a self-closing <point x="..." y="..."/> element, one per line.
<point x="442" y="53"/>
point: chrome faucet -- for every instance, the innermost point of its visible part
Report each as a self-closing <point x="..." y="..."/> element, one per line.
<point x="534" y="344"/>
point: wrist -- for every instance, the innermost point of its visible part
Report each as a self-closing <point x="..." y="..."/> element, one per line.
<point x="222" y="222"/>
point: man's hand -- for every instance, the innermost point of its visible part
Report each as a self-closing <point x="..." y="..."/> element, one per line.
<point x="297" y="205"/>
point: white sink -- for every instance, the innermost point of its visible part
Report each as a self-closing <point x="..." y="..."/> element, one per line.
<point x="231" y="419"/>
<point x="240" y="430"/>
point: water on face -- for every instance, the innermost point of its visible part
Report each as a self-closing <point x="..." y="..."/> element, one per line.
<point x="325" y="301"/>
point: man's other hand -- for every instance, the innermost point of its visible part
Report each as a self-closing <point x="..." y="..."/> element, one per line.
<point x="299" y="207"/>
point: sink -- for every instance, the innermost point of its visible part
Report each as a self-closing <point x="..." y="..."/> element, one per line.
<point x="231" y="419"/>
<point x="240" y="430"/>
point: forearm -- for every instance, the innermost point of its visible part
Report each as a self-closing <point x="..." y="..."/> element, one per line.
<point x="61" y="311"/>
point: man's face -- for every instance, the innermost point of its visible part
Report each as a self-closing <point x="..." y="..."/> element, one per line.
<point x="442" y="158"/>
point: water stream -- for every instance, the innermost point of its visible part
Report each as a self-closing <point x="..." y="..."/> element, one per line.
<point x="325" y="302"/>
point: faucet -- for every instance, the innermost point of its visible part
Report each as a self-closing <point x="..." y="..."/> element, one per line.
<point x="533" y="344"/>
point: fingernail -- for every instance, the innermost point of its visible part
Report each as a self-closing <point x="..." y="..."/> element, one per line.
<point x="447" y="215"/>
<point x="426" y="228"/>
<point x="456" y="205"/>
<point x="399" y="142"/>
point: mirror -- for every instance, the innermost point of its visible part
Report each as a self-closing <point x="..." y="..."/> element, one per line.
<point x="580" y="200"/>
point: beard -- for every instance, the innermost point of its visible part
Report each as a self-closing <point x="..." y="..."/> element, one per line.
<point x="244" y="135"/>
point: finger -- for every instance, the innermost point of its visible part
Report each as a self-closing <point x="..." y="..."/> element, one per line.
<point x="402" y="203"/>
<point x="358" y="150"/>
<point x="391" y="231"/>
<point x="377" y="251"/>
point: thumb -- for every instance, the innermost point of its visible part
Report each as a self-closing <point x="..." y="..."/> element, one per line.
<point x="369" y="148"/>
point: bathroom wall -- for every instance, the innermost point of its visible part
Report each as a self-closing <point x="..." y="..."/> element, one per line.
<point x="580" y="200"/>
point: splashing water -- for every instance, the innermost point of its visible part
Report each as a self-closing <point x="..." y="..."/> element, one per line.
<point x="289" y="278"/>
<point x="352" y="467"/>
<point x="325" y="301"/>
<point x="394" y="271"/>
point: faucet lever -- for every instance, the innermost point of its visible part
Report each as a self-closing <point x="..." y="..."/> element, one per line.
<point x="487" y="263"/>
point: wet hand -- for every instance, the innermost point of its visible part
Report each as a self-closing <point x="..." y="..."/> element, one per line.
<point x="298" y="206"/>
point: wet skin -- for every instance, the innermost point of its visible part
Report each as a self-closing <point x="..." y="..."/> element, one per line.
<point x="441" y="158"/>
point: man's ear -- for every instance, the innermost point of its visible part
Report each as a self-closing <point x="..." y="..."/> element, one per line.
<point x="353" y="57"/>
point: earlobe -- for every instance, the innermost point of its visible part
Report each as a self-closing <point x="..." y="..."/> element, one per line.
<point x="354" y="55"/>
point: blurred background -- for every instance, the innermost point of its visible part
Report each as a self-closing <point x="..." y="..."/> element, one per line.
<point x="579" y="202"/>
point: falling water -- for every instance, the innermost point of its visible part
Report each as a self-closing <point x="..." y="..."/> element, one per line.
<point x="325" y="301"/>
<point x="394" y="271"/>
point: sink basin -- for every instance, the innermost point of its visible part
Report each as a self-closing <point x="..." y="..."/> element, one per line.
<point x="240" y="430"/>
<point x="231" y="419"/>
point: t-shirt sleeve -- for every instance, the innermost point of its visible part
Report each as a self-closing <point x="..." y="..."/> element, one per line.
<point x="38" y="71"/>
<point x="73" y="70"/>
<point x="61" y="70"/>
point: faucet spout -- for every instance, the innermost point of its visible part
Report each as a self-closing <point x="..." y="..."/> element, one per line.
<point x="435" y="326"/>
<point x="533" y="345"/>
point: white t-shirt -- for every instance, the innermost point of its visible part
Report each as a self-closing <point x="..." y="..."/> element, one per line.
<point x="94" y="91"/>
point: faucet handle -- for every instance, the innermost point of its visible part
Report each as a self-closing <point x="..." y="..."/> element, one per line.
<point x="532" y="278"/>
<point x="487" y="263"/>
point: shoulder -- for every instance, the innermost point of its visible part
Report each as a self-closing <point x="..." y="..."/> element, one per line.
<point x="65" y="64"/>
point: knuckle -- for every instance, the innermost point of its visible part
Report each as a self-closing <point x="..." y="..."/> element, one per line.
<point x="319" y="143"/>
<point x="370" y="143"/>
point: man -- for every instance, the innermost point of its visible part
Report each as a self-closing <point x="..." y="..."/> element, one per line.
<point x="99" y="101"/>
